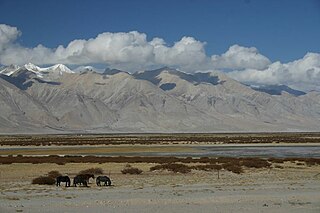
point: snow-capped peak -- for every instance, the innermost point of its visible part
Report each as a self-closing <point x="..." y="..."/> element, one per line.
<point x="8" y="70"/>
<point x="59" y="67"/>
<point x="32" y="67"/>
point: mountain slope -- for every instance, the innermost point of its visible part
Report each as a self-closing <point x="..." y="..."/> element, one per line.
<point x="21" y="113"/>
<point x="57" y="99"/>
<point x="216" y="93"/>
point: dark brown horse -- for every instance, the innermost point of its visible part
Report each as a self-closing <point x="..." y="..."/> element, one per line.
<point x="105" y="179"/>
<point x="88" y="176"/>
<point x="63" y="179"/>
<point x="80" y="179"/>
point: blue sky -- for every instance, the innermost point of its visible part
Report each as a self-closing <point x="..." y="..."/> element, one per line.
<point x="282" y="30"/>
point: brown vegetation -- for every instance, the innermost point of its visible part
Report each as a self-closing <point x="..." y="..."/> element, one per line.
<point x="237" y="138"/>
<point x="246" y="162"/>
<point x="95" y="171"/>
<point x="235" y="168"/>
<point x="131" y="170"/>
<point x="54" y="174"/>
<point x="173" y="167"/>
<point x="255" y="163"/>
<point x="44" y="180"/>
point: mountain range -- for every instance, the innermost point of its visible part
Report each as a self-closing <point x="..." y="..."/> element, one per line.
<point x="56" y="99"/>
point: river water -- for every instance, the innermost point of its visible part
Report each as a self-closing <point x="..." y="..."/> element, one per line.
<point x="279" y="151"/>
<point x="238" y="151"/>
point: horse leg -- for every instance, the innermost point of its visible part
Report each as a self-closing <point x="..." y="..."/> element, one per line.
<point x="109" y="182"/>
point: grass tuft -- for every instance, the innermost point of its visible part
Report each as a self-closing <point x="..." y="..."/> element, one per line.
<point x="44" y="180"/>
<point x="131" y="170"/>
<point x="95" y="171"/>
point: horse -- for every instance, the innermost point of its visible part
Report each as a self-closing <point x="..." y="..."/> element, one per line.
<point x="105" y="179"/>
<point x="63" y="179"/>
<point x="80" y="179"/>
<point x="87" y="176"/>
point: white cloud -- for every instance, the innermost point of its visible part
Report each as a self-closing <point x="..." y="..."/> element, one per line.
<point x="129" y="51"/>
<point x="187" y="53"/>
<point x="132" y="51"/>
<point x="8" y="34"/>
<point x="301" y="74"/>
<point x="238" y="57"/>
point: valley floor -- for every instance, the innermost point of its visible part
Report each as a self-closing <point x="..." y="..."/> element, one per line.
<point x="288" y="187"/>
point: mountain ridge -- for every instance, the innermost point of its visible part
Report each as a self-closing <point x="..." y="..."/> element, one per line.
<point x="161" y="100"/>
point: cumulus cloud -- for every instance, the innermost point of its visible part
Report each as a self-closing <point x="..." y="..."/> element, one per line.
<point x="238" y="57"/>
<point x="188" y="53"/>
<point x="303" y="74"/>
<point x="132" y="51"/>
<point x="7" y="35"/>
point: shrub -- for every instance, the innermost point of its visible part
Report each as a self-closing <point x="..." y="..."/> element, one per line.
<point x="131" y="170"/>
<point x="173" y="167"/>
<point x="312" y="161"/>
<point x="54" y="174"/>
<point x="276" y="160"/>
<point x="95" y="171"/>
<point x="235" y="168"/>
<point x="255" y="163"/>
<point x="60" y="163"/>
<point x="208" y="167"/>
<point x="44" y="180"/>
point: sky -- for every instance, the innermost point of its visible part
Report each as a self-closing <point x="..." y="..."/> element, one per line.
<point x="244" y="37"/>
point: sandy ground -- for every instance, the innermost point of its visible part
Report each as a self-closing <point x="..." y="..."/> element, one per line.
<point x="292" y="189"/>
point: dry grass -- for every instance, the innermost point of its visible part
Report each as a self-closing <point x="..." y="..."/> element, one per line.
<point x="207" y="167"/>
<point x="239" y="138"/>
<point x="243" y="162"/>
<point x="128" y="169"/>
<point x="255" y="163"/>
<point x="173" y="167"/>
<point x="174" y="164"/>
<point x="44" y="180"/>
<point x="95" y="171"/>
<point x="235" y="168"/>
<point x="54" y="174"/>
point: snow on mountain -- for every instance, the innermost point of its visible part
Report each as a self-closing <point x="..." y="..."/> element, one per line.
<point x="52" y="72"/>
<point x="8" y="70"/>
<point x="32" y="67"/>
<point x="57" y="68"/>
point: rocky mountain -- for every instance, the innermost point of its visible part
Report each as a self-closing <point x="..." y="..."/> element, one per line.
<point x="51" y="72"/>
<point x="56" y="99"/>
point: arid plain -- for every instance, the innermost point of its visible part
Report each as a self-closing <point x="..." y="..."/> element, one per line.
<point x="197" y="182"/>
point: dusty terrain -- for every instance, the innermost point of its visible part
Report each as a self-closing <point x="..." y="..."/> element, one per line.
<point x="293" y="188"/>
<point x="263" y="185"/>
